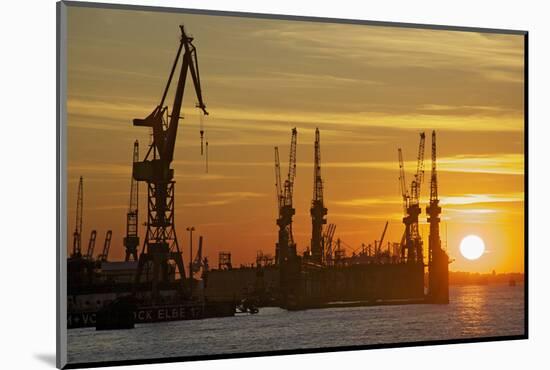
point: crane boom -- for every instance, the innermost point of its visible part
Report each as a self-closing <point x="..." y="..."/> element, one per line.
<point x="419" y="176"/>
<point x="289" y="183"/>
<point x="77" y="235"/>
<point x="383" y="235"/>
<point x="91" y="245"/>
<point x="190" y="63"/>
<point x="106" y="246"/>
<point x="317" y="180"/>
<point x="164" y="139"/>
<point x="278" y="179"/>
<point x="433" y="182"/>
<point x="403" y="181"/>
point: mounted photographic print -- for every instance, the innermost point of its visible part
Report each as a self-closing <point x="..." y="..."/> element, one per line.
<point x="236" y="184"/>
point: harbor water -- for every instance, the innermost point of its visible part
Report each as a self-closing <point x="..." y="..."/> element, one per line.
<point x="474" y="311"/>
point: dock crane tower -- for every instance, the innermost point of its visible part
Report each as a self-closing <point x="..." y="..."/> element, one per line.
<point x="285" y="247"/>
<point x="438" y="260"/>
<point x="318" y="210"/>
<point x="412" y="239"/>
<point x="77" y="234"/>
<point x="131" y="240"/>
<point x="160" y="246"/>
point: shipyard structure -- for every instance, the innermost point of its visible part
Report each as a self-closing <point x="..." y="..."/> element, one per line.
<point x="153" y="284"/>
<point x="380" y="273"/>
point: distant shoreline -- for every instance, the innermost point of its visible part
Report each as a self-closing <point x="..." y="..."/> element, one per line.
<point x="476" y="278"/>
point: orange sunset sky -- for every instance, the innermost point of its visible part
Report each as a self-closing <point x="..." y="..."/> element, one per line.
<point x="369" y="89"/>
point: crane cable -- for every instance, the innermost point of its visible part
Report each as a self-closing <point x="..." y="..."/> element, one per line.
<point x="201" y="127"/>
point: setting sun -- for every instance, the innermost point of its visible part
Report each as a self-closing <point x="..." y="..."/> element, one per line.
<point x="472" y="247"/>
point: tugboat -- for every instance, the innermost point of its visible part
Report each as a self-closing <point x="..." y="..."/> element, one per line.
<point x="248" y="305"/>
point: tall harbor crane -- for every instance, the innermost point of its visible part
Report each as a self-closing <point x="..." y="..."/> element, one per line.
<point x="285" y="247"/>
<point x="433" y="210"/>
<point x="160" y="246"/>
<point x="131" y="240"/>
<point x="106" y="247"/>
<point x="318" y="210"/>
<point x="412" y="239"/>
<point x="438" y="260"/>
<point x="77" y="234"/>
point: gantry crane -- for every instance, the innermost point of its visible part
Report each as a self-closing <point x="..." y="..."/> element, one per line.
<point x="77" y="235"/>
<point x="160" y="245"/>
<point x="131" y="240"/>
<point x="285" y="247"/>
<point x="411" y="202"/>
<point x="438" y="260"/>
<point x="318" y="210"/>
<point x="106" y="247"/>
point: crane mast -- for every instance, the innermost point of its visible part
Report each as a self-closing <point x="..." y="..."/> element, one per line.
<point x="77" y="235"/>
<point x="160" y="245"/>
<point x="131" y="240"/>
<point x="318" y="210"/>
<point x="285" y="247"/>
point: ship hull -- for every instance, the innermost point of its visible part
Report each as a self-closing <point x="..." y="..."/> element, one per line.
<point x="158" y="313"/>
